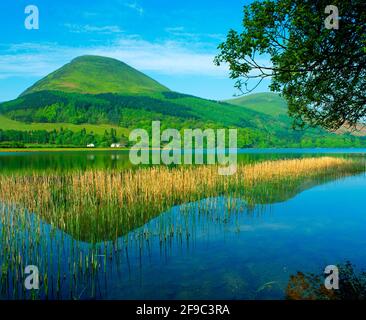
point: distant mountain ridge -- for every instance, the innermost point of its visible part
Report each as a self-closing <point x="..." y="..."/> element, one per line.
<point x="102" y="92"/>
<point x="94" y="75"/>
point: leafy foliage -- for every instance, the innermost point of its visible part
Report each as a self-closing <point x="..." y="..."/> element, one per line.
<point x="19" y="139"/>
<point x="321" y="72"/>
<point x="56" y="106"/>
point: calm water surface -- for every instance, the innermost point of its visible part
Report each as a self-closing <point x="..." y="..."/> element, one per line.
<point x="82" y="160"/>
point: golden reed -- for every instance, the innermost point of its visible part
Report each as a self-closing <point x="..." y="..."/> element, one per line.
<point x="97" y="204"/>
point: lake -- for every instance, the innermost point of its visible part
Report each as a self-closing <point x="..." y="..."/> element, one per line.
<point x="220" y="247"/>
<point x="115" y="159"/>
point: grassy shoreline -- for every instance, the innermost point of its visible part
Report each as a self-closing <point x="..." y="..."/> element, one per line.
<point x="60" y="149"/>
<point x="56" y="149"/>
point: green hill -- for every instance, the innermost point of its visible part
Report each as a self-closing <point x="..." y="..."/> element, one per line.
<point x="93" y="74"/>
<point x="9" y="124"/>
<point x="268" y="103"/>
<point x="108" y="99"/>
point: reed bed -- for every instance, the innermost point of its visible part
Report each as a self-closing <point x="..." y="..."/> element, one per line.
<point x="99" y="205"/>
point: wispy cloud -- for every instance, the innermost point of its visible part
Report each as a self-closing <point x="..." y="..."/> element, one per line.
<point x="135" y="6"/>
<point x="181" y="33"/>
<point x="167" y="57"/>
<point x="30" y="60"/>
<point x="76" y="28"/>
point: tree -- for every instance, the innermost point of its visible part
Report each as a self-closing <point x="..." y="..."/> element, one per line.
<point x="321" y="72"/>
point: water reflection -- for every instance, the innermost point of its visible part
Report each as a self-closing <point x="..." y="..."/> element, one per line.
<point x="216" y="248"/>
<point x="82" y="160"/>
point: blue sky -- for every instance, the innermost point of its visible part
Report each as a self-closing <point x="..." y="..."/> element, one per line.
<point x="172" y="41"/>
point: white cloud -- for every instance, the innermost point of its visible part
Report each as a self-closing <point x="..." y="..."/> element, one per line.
<point x="168" y="57"/>
<point x="135" y="6"/>
<point x="181" y="33"/>
<point x="75" y="28"/>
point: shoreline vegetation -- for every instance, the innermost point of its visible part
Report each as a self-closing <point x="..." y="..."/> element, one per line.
<point x="58" y="149"/>
<point x="102" y="205"/>
<point x="67" y="149"/>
